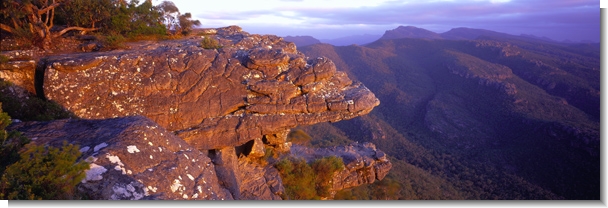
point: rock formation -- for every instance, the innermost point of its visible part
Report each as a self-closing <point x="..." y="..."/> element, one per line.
<point x="363" y="163"/>
<point x="132" y="158"/>
<point x="253" y="86"/>
<point x="20" y="70"/>
<point x="176" y="120"/>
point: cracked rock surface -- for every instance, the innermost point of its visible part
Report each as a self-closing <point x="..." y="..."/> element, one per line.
<point x="254" y="85"/>
<point x="132" y="158"/>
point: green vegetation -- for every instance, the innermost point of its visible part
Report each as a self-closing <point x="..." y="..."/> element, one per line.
<point x="35" y="171"/>
<point x="44" y="173"/>
<point x="11" y="142"/>
<point x="33" y="23"/>
<point x="209" y="43"/>
<point x="174" y="20"/>
<point x="303" y="181"/>
<point x="298" y="179"/>
<point x="324" y="169"/>
<point x="113" y="41"/>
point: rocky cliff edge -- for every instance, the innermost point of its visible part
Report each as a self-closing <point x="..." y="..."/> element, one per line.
<point x="177" y="120"/>
<point x="254" y="85"/>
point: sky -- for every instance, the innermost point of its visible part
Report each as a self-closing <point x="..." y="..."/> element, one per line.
<point x="574" y="20"/>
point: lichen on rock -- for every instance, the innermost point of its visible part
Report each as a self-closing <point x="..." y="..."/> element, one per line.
<point x="255" y="85"/>
<point x="167" y="120"/>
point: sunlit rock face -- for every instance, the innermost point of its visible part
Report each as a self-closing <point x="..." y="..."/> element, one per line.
<point x="178" y="120"/>
<point x="254" y="85"/>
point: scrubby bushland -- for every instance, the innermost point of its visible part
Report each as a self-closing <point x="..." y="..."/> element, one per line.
<point x="36" y="22"/>
<point x="35" y="171"/>
<point x="44" y="173"/>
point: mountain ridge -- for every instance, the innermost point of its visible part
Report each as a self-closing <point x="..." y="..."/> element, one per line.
<point x="458" y="33"/>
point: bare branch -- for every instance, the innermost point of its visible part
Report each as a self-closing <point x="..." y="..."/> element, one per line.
<point x="74" y="28"/>
<point x="6" y="28"/>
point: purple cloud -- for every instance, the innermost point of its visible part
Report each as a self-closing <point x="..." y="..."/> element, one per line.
<point x="560" y="19"/>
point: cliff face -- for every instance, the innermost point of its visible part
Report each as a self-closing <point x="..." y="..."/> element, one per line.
<point x="174" y="120"/>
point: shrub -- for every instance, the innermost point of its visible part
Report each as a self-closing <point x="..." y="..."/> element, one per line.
<point x="11" y="143"/>
<point x="304" y="181"/>
<point x="114" y="41"/>
<point x="324" y="169"/>
<point x="44" y="173"/>
<point x="386" y="189"/>
<point x="37" y="172"/>
<point x="210" y="43"/>
<point x="298" y="179"/>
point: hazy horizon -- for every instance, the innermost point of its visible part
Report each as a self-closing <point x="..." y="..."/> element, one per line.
<point x="575" y="20"/>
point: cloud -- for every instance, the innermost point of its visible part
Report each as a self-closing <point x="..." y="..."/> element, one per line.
<point x="488" y="15"/>
<point x="451" y="12"/>
<point x="439" y="15"/>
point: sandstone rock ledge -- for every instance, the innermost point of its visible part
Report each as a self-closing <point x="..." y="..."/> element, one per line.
<point x="255" y="85"/>
<point x="133" y="158"/>
<point x="173" y="120"/>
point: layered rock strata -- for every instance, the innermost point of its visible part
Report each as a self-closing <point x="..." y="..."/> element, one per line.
<point x="133" y="158"/>
<point x="212" y="98"/>
<point x="177" y="120"/>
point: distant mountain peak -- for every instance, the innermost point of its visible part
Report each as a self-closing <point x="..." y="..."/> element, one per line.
<point x="410" y="32"/>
